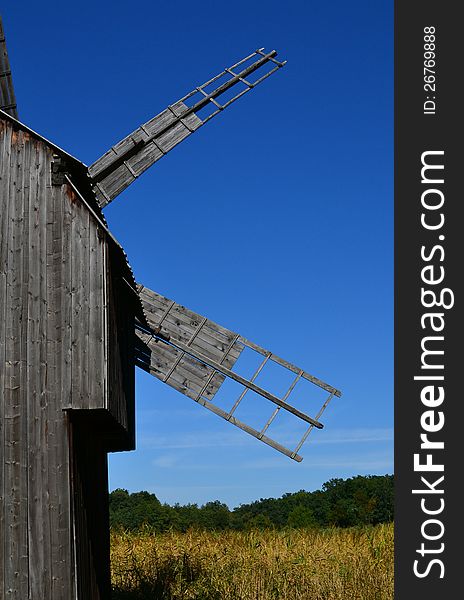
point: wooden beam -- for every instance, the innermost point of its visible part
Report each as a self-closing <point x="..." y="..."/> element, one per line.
<point x="262" y="438"/>
<point x="249" y="384"/>
<point x="291" y="367"/>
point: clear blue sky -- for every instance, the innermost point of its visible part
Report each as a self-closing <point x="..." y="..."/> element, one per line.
<point x="275" y="219"/>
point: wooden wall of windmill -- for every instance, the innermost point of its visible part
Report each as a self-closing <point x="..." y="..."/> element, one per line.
<point x="68" y="306"/>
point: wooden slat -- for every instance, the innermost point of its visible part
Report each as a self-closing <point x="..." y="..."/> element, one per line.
<point x="53" y="423"/>
<point x="249" y="384"/>
<point x="36" y="367"/>
<point x="66" y="289"/>
<point x="181" y="323"/>
<point x="157" y="303"/>
<point x="133" y="155"/>
<point x="16" y="434"/>
<point x="5" y="227"/>
<point x="78" y="292"/>
<point x="291" y="367"/>
<point x="250" y="430"/>
<point x="97" y="380"/>
<point x="188" y="377"/>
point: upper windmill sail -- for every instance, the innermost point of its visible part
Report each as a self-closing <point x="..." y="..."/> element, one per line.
<point x="7" y="95"/>
<point x="195" y="356"/>
<point x="128" y="159"/>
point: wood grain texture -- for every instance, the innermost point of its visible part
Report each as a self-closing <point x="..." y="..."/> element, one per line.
<point x="133" y="155"/>
<point x="54" y="360"/>
<point x="173" y="367"/>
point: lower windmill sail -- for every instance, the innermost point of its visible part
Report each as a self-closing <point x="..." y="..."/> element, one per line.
<point x="195" y="356"/>
<point x="175" y="367"/>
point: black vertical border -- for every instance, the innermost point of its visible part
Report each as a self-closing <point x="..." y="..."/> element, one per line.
<point x="416" y="133"/>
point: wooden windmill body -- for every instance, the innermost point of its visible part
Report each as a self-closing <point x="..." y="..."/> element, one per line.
<point x="73" y="326"/>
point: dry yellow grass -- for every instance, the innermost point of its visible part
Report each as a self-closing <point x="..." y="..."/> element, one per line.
<point x="336" y="564"/>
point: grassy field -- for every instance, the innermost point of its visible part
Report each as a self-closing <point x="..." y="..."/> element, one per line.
<point x="335" y="564"/>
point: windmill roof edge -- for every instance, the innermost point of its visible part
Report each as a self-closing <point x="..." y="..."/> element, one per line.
<point x="20" y="124"/>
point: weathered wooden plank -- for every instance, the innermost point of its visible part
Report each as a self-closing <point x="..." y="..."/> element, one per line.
<point x="189" y="374"/>
<point x="163" y="357"/>
<point x="117" y="181"/>
<point x="31" y="368"/>
<point x="208" y="344"/>
<point x="172" y="137"/>
<point x="15" y="446"/>
<point x="36" y="369"/>
<point x="58" y="571"/>
<point x="181" y="324"/>
<point x="154" y="300"/>
<point x="8" y="373"/>
<point x="66" y="278"/>
<point x="157" y="124"/>
<point x="77" y="293"/>
<point x="128" y="159"/>
<point x="97" y="379"/>
<point x="291" y="367"/>
<point x="183" y="382"/>
<point x="28" y="293"/>
<point x="150" y="129"/>
<point x="186" y="322"/>
<point x="60" y="507"/>
<point x="5" y="171"/>
<point x="250" y="430"/>
<point x="55" y="494"/>
<point x="87" y="353"/>
<point x="55" y="434"/>
<point x="115" y="366"/>
<point x="144" y="159"/>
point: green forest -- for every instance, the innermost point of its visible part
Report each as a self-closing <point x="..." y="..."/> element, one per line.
<point x="361" y="500"/>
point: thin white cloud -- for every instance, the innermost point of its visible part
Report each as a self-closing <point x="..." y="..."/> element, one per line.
<point x="203" y="439"/>
<point x="208" y="439"/>
<point x="166" y="461"/>
<point x="359" y="436"/>
<point x="153" y="414"/>
<point x="351" y="464"/>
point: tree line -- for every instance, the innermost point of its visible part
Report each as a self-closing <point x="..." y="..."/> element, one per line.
<point x="361" y="500"/>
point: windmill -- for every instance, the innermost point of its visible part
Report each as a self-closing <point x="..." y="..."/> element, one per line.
<point x="74" y="325"/>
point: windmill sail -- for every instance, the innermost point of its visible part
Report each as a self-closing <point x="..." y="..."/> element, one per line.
<point x="128" y="159"/>
<point x="7" y="95"/>
<point x="195" y="356"/>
